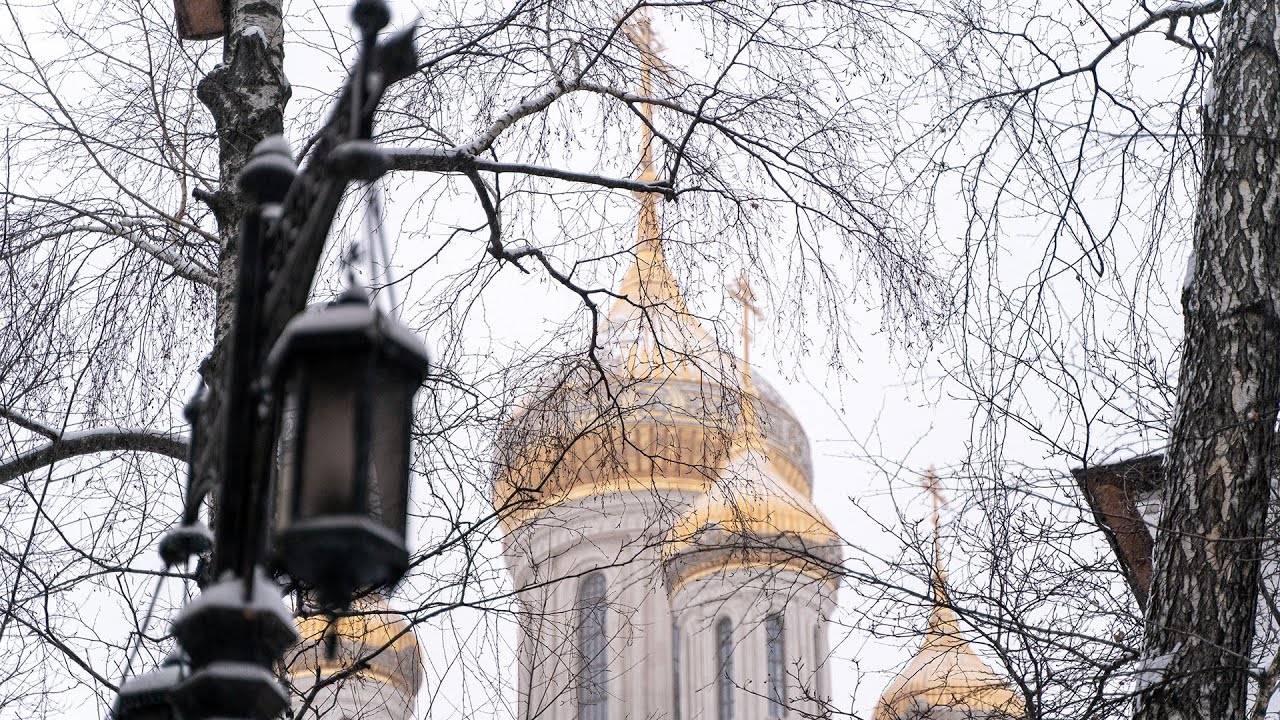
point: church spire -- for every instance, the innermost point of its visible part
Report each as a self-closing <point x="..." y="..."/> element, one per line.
<point x="937" y="573"/>
<point x="649" y="280"/>
<point x="749" y="432"/>
<point x="946" y="677"/>
<point x="943" y="624"/>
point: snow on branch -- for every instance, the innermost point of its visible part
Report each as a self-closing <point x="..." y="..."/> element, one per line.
<point x="529" y="106"/>
<point x="28" y="423"/>
<point x="89" y="442"/>
<point x="181" y="266"/>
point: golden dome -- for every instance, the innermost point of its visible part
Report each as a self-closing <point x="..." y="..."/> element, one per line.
<point x="946" y="679"/>
<point x="750" y="518"/>
<point x="656" y="433"/>
<point x="750" y="501"/>
<point x="661" y="416"/>
<point x="372" y="635"/>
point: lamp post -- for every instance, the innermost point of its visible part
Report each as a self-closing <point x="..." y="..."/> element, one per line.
<point x="323" y="415"/>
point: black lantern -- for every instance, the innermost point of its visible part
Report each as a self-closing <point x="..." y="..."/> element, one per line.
<point x="346" y="374"/>
<point x="148" y="696"/>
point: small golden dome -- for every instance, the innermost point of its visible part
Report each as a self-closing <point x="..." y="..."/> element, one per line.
<point x="750" y="518"/>
<point x="751" y="501"/>
<point x="946" y="679"/>
<point x="372" y="635"/>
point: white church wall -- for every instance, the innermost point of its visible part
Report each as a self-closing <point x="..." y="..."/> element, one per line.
<point x="747" y="597"/>
<point x="619" y="536"/>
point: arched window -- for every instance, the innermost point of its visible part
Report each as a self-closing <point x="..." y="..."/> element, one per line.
<point x="593" y="656"/>
<point x="724" y="669"/>
<point x="775" y="654"/>
<point x="675" y="671"/>
<point x="819" y="653"/>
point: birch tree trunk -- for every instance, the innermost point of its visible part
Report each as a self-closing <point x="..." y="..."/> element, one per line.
<point x="246" y="94"/>
<point x="1201" y="616"/>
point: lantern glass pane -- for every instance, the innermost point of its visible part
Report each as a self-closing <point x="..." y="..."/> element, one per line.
<point x="392" y="410"/>
<point x="328" y="437"/>
<point x="286" y="452"/>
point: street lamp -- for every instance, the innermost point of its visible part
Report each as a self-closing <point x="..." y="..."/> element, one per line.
<point x="338" y="387"/>
<point x="346" y="374"/>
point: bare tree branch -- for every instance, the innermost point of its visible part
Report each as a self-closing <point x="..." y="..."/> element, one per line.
<point x="89" y="442"/>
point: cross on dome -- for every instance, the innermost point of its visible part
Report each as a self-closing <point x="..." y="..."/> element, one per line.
<point x="749" y="432"/>
<point x="648" y="281"/>
<point x="938" y="573"/>
<point x="746" y="297"/>
<point x="640" y="32"/>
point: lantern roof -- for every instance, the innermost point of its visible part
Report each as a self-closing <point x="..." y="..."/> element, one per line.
<point x="349" y="321"/>
<point x="150" y="688"/>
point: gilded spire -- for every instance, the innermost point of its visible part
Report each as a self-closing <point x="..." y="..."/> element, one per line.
<point x="938" y="578"/>
<point x="946" y="676"/>
<point x="749" y="432"/>
<point x="649" y="280"/>
<point x="942" y="621"/>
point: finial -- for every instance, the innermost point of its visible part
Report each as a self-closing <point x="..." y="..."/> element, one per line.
<point x="649" y="280"/>
<point x="749" y="422"/>
<point x="270" y="171"/>
<point x="746" y="297"/>
<point x="939" y="574"/>
<point x="370" y="16"/>
<point x="640" y="32"/>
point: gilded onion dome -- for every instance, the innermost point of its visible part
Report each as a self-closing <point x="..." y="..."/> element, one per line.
<point x="374" y="639"/>
<point x="751" y="516"/>
<point x="946" y="679"/>
<point x="654" y="420"/>
<point x="646" y="432"/>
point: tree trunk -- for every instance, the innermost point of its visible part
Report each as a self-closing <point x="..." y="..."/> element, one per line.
<point x="246" y="94"/>
<point x="1201" y="615"/>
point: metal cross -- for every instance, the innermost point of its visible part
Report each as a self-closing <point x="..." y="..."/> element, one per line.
<point x="640" y="32"/>
<point x="742" y="292"/>
<point x="930" y="484"/>
<point x="938" y="581"/>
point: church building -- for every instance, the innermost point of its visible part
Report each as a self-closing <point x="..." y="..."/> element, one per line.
<point x="658" y="523"/>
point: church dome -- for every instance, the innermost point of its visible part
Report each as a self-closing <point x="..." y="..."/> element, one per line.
<point x="650" y="406"/>
<point x="751" y="501"/>
<point x="373" y="635"/>
<point x="655" y="419"/>
<point x="946" y="679"/>
<point x="750" y="517"/>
